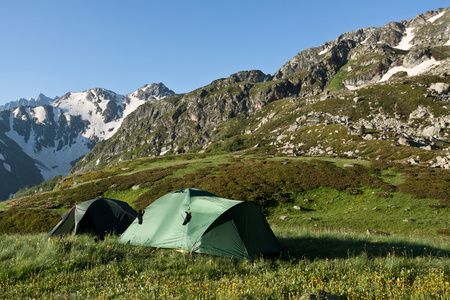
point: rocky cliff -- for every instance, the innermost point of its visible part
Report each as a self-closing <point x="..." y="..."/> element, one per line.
<point x="375" y="93"/>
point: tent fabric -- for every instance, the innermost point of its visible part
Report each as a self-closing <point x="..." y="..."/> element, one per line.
<point x="217" y="226"/>
<point x="96" y="216"/>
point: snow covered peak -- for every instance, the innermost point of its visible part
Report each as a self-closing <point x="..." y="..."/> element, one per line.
<point x="155" y="91"/>
<point x="55" y="135"/>
<point x="104" y="109"/>
<point x="101" y="108"/>
<point x="40" y="100"/>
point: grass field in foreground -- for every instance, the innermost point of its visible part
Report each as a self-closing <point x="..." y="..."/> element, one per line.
<point x="326" y="209"/>
<point x="349" y="265"/>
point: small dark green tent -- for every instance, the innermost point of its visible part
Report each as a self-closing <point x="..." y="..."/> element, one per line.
<point x="198" y="221"/>
<point x="97" y="216"/>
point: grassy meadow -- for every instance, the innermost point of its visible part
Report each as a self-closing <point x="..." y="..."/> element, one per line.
<point x="353" y="229"/>
<point x="352" y="266"/>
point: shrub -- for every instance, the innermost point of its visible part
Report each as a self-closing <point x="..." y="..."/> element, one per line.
<point x="265" y="182"/>
<point x="426" y="183"/>
<point x="27" y="221"/>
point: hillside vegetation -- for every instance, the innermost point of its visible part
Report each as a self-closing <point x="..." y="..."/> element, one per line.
<point x="333" y="193"/>
<point x="349" y="229"/>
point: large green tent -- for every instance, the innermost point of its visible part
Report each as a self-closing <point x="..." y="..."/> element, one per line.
<point x="198" y="221"/>
<point x="97" y="216"/>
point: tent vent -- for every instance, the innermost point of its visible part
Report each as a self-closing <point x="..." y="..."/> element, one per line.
<point x="140" y="215"/>
<point x="188" y="218"/>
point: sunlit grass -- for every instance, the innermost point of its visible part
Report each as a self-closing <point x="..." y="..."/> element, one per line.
<point x="348" y="265"/>
<point x="390" y="213"/>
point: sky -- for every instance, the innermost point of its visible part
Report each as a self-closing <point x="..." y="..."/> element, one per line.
<point x="60" y="46"/>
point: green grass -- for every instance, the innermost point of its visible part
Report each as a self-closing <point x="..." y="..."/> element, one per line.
<point x="325" y="246"/>
<point x="327" y="262"/>
<point x="373" y="209"/>
<point x="336" y="83"/>
<point x="441" y="53"/>
<point x="354" y="187"/>
<point x="392" y="177"/>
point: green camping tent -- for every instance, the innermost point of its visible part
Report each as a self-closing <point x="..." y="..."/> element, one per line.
<point x="97" y="216"/>
<point x="198" y="221"/>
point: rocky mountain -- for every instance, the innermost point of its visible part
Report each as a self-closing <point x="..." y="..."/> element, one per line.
<point x="38" y="143"/>
<point x="373" y="93"/>
<point x="372" y="55"/>
<point x="40" y="100"/>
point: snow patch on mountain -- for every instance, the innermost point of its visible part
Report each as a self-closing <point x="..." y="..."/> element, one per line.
<point x="18" y="114"/>
<point x="417" y="70"/>
<point x="324" y="51"/>
<point x="39" y="113"/>
<point x="131" y="105"/>
<point x="28" y="113"/>
<point x="405" y="43"/>
<point x="7" y="167"/>
<point x="50" y="160"/>
<point x="433" y="19"/>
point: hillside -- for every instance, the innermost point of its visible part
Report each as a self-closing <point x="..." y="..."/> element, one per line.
<point x="374" y="93"/>
<point x="348" y="228"/>
<point x="332" y="193"/>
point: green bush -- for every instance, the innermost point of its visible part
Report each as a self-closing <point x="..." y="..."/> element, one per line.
<point x="27" y="221"/>
<point x="428" y="183"/>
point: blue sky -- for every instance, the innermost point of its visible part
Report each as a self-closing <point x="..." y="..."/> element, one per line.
<point x="60" y="46"/>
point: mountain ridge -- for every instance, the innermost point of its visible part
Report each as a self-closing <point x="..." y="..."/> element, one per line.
<point x="372" y="93"/>
<point x="41" y="99"/>
<point x="56" y="135"/>
<point x="343" y="83"/>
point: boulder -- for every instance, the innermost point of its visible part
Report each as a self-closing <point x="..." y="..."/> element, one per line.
<point x="439" y="88"/>
<point x="431" y="131"/>
<point x="404" y="141"/>
<point x="356" y="131"/>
